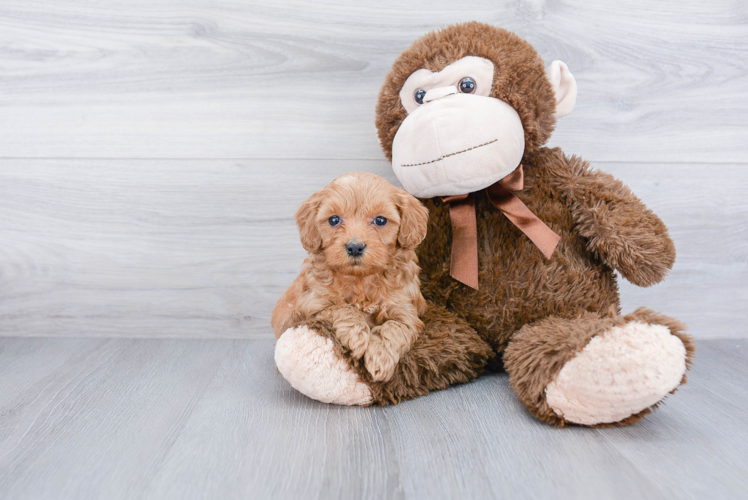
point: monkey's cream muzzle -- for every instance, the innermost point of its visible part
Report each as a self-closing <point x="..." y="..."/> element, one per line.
<point x="456" y="143"/>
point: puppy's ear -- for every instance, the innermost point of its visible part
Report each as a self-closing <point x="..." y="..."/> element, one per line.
<point x="414" y="218"/>
<point x="306" y="219"/>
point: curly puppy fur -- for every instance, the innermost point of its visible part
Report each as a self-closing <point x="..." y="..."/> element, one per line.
<point x="372" y="301"/>
<point x="524" y="298"/>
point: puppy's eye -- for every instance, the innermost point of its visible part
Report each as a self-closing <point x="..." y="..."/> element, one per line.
<point x="380" y="221"/>
<point x="418" y="96"/>
<point x="334" y="220"/>
<point x="467" y="85"/>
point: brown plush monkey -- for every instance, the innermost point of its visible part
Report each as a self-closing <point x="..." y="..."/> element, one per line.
<point x="518" y="262"/>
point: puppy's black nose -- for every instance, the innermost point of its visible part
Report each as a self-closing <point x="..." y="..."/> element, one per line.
<point x="354" y="249"/>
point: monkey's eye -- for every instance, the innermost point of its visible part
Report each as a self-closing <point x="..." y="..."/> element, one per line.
<point x="467" y="85"/>
<point x="334" y="220"/>
<point x="380" y="221"/>
<point x="418" y="95"/>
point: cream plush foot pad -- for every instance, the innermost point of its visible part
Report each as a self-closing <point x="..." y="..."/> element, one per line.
<point x="308" y="361"/>
<point x="618" y="374"/>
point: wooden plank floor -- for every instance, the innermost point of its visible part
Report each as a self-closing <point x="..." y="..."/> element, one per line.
<point x="183" y="419"/>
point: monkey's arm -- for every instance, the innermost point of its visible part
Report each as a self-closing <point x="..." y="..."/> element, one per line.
<point x="623" y="232"/>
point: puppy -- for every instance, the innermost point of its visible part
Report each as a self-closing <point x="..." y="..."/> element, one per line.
<point x="362" y="271"/>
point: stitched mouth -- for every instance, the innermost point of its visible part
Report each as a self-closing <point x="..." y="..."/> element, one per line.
<point x="450" y="154"/>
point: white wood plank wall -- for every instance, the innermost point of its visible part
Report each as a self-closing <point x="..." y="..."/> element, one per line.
<point x="152" y="152"/>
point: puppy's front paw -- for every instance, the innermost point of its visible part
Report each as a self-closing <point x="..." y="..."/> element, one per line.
<point x="380" y="360"/>
<point x="355" y="336"/>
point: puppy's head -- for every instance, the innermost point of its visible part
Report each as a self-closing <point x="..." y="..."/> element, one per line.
<point x="359" y="222"/>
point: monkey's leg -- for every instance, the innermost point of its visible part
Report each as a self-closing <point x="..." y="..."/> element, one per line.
<point x="313" y="361"/>
<point x="446" y="352"/>
<point x="597" y="371"/>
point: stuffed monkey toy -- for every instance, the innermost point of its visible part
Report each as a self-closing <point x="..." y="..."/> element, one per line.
<point x="518" y="263"/>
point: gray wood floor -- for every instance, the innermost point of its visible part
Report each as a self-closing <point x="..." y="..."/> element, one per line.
<point x="183" y="419"/>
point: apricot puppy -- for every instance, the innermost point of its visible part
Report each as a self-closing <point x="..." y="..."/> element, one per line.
<point x="362" y="272"/>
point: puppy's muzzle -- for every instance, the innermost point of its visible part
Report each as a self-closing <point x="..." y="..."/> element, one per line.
<point x="354" y="248"/>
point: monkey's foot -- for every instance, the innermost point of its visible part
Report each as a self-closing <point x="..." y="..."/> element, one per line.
<point x="619" y="373"/>
<point x="309" y="362"/>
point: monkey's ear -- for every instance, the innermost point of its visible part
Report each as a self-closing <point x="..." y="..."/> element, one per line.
<point x="414" y="219"/>
<point x="306" y="219"/>
<point x="564" y="86"/>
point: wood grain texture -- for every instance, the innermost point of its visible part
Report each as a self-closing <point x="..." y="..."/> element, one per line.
<point x="204" y="248"/>
<point x="658" y="81"/>
<point x="186" y="419"/>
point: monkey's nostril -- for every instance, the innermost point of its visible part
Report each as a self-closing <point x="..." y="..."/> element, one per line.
<point x="355" y="249"/>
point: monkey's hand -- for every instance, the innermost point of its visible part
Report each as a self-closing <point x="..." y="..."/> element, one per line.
<point x="618" y="228"/>
<point x="350" y="328"/>
<point x="387" y="345"/>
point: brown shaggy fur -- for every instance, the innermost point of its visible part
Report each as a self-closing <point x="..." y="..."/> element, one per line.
<point x="372" y="301"/>
<point x="535" y="313"/>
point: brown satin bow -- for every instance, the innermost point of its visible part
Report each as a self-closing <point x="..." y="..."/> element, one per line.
<point x="464" y="265"/>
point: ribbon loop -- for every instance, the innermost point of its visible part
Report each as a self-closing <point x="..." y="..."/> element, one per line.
<point x="464" y="260"/>
<point x="513" y="182"/>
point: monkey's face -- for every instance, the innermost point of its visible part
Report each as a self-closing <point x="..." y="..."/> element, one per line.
<point x="457" y="138"/>
<point x="463" y="105"/>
